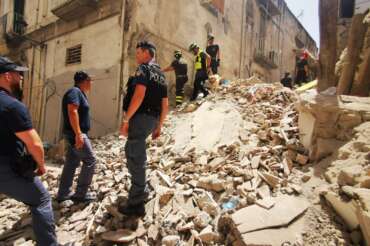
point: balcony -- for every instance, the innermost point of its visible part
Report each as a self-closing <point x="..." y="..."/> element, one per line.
<point x="268" y="59"/>
<point x="271" y="7"/>
<point x="12" y="28"/>
<point x="72" y="9"/>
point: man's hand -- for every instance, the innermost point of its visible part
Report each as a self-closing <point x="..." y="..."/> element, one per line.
<point x="124" y="129"/>
<point x="40" y="170"/>
<point x="79" y="141"/>
<point x="156" y="133"/>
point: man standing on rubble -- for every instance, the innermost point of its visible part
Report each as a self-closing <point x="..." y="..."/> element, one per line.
<point x="17" y="133"/>
<point x="180" y="67"/>
<point x="214" y="51"/>
<point x="76" y="116"/>
<point x="202" y="68"/>
<point x="302" y="69"/>
<point x="145" y="108"/>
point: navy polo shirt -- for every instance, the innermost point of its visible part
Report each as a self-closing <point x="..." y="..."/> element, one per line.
<point x="14" y="117"/>
<point x="77" y="97"/>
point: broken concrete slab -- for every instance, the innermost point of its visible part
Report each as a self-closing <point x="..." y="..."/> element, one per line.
<point x="254" y="217"/>
<point x="346" y="210"/>
<point x="276" y="236"/>
<point x="364" y="221"/>
<point x="266" y="203"/>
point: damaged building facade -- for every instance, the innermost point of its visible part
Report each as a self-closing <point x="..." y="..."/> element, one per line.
<point x="56" y="38"/>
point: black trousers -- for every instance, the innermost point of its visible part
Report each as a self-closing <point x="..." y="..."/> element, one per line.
<point x="301" y="77"/>
<point x="200" y="79"/>
<point x="214" y="66"/>
<point x="180" y="83"/>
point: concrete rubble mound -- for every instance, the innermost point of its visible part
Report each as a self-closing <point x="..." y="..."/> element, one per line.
<point x="220" y="166"/>
<point x="349" y="192"/>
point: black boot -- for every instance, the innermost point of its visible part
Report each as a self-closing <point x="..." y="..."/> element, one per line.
<point x="133" y="210"/>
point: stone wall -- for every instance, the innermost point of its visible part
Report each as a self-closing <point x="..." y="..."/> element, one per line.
<point x="327" y="122"/>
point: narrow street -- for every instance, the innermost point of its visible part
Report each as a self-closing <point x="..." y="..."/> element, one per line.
<point x="238" y="149"/>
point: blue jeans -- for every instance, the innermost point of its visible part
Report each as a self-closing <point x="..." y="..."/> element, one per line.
<point x="73" y="158"/>
<point x="33" y="194"/>
<point x="141" y="126"/>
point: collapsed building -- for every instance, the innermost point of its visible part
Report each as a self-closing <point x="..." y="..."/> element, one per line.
<point x="56" y="38"/>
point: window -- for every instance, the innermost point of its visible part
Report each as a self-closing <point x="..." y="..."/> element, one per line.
<point x="346" y="8"/>
<point x="73" y="55"/>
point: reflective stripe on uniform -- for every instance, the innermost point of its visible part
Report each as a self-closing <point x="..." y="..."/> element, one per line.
<point x="179" y="98"/>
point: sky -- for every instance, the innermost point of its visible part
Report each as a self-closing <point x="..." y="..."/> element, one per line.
<point x="309" y="17"/>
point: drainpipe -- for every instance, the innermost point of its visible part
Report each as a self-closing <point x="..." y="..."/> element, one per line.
<point x="242" y="38"/>
<point x="122" y="63"/>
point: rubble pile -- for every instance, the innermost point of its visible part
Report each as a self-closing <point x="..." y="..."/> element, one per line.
<point x="207" y="173"/>
<point x="349" y="192"/>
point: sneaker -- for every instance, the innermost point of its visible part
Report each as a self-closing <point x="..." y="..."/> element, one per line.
<point x="64" y="198"/>
<point x="133" y="210"/>
<point x="89" y="197"/>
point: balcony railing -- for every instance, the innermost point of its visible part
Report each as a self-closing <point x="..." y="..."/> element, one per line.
<point x="271" y="7"/>
<point x="72" y="9"/>
<point x="265" y="58"/>
<point x="12" y="26"/>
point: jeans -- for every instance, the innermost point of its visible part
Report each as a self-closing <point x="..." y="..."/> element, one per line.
<point x="141" y="126"/>
<point x="32" y="193"/>
<point x="73" y="158"/>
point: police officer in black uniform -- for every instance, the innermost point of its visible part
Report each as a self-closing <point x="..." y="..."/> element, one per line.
<point x="202" y="69"/>
<point x="145" y="108"/>
<point x="214" y="51"/>
<point x="17" y="133"/>
<point x="180" y="67"/>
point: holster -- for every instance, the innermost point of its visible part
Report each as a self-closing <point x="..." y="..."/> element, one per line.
<point x="23" y="164"/>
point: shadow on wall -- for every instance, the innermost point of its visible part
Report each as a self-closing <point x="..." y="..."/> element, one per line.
<point x="103" y="98"/>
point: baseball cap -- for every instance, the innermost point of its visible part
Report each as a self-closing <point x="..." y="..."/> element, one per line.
<point x="81" y="76"/>
<point x="146" y="45"/>
<point x="7" y="65"/>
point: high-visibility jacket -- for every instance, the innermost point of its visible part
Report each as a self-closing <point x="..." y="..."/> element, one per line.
<point x="199" y="63"/>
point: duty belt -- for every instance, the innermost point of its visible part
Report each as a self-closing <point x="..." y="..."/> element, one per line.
<point x="181" y="76"/>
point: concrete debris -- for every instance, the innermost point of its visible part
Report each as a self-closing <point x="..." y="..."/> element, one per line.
<point x="346" y="210"/>
<point x="209" y="152"/>
<point x="255" y="218"/>
<point x="172" y="240"/>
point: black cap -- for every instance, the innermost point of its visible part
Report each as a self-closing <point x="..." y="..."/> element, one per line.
<point x="81" y="76"/>
<point x="146" y="45"/>
<point x="7" y="65"/>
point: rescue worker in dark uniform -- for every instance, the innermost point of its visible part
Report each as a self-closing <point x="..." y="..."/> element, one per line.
<point x="76" y="117"/>
<point x="214" y="51"/>
<point x="145" y="108"/>
<point x="202" y="68"/>
<point x="17" y="133"/>
<point x="180" y="67"/>
<point x="287" y="81"/>
<point x="302" y="70"/>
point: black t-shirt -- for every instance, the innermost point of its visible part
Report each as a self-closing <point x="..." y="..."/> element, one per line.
<point x="14" y="117"/>
<point x="77" y="97"/>
<point x="301" y="64"/>
<point x="151" y="76"/>
<point x="212" y="50"/>
<point x="180" y="67"/>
